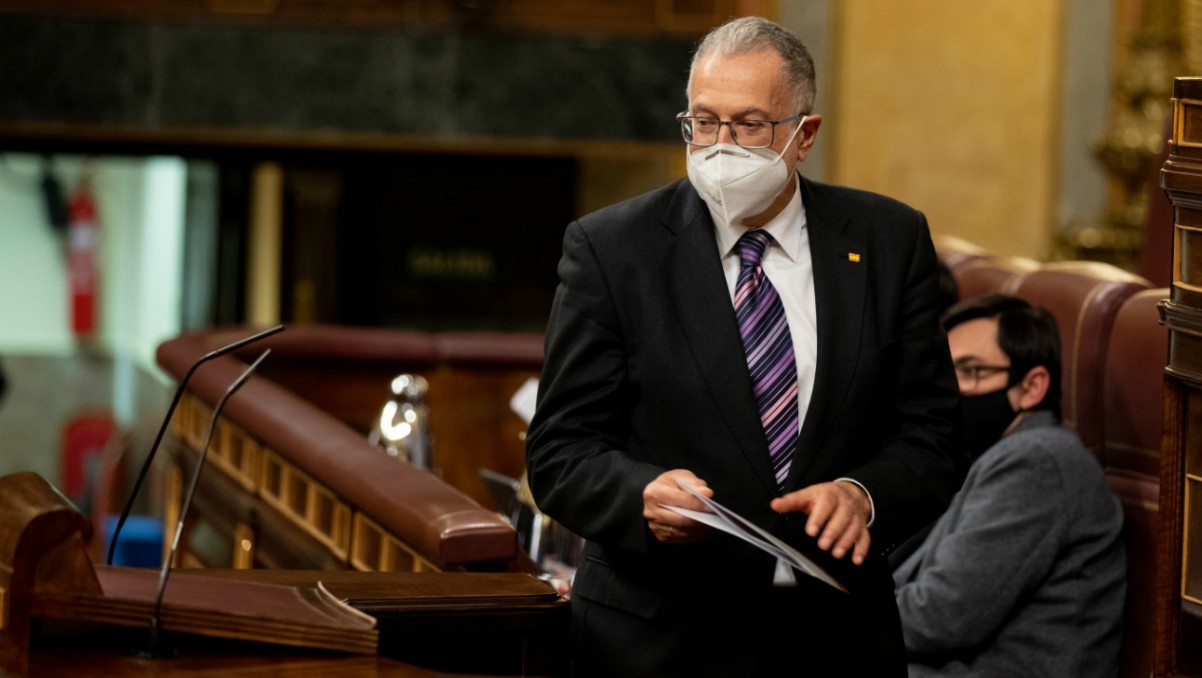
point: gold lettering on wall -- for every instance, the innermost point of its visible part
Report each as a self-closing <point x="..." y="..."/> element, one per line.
<point x="463" y="264"/>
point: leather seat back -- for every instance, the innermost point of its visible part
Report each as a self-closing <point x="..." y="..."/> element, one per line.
<point x="988" y="275"/>
<point x="1085" y="298"/>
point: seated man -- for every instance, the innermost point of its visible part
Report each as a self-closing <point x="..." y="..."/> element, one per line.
<point x="1024" y="575"/>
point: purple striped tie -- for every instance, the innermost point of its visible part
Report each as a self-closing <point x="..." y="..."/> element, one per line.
<point x="769" y="350"/>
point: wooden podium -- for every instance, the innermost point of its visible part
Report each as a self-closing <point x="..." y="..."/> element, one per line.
<point x="340" y="622"/>
<point x="41" y="550"/>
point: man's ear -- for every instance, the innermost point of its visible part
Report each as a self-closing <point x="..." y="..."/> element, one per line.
<point x="808" y="132"/>
<point x="1034" y="387"/>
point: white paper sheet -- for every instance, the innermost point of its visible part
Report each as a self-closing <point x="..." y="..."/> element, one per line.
<point x="722" y="518"/>
<point x="524" y="400"/>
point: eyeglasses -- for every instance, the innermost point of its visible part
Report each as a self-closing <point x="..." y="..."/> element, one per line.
<point x="702" y="130"/>
<point x="970" y="374"/>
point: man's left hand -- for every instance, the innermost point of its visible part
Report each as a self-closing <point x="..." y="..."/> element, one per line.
<point x="838" y="516"/>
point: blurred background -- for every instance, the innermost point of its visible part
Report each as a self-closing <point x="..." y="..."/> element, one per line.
<point x="176" y="165"/>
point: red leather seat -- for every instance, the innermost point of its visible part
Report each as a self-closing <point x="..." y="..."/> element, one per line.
<point x="1139" y="495"/>
<point x="956" y="253"/>
<point x="1133" y="386"/>
<point x="1085" y="298"/>
<point x="987" y="275"/>
<point x="1132" y="404"/>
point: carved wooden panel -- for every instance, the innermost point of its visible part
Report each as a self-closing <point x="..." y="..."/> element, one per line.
<point x="1179" y="589"/>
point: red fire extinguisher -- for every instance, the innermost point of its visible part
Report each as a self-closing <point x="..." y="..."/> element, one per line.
<point x="82" y="241"/>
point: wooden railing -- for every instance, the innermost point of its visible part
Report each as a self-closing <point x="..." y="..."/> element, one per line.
<point x="290" y="485"/>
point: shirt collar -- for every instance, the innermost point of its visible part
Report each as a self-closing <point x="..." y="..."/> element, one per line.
<point x="785" y="228"/>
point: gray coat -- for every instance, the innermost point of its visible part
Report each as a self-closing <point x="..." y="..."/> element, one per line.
<point x="1025" y="573"/>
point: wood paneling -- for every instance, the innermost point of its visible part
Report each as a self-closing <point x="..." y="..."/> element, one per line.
<point x="1179" y="587"/>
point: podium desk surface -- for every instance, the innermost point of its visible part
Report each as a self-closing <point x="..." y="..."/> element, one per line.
<point x="433" y="625"/>
<point x="100" y="655"/>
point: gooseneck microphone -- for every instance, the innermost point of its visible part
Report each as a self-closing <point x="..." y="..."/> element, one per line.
<point x="165" y="570"/>
<point x="179" y="392"/>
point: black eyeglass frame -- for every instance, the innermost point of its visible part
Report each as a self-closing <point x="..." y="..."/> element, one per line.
<point x="973" y="372"/>
<point x="685" y="119"/>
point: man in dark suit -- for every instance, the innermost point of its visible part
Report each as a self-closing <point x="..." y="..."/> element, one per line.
<point x="770" y="341"/>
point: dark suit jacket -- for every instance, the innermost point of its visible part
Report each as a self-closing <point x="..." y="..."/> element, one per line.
<point x="645" y="372"/>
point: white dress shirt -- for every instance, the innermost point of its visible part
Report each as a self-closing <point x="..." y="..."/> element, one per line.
<point x="788" y="266"/>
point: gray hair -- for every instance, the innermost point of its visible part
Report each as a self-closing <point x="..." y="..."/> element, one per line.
<point x="752" y="34"/>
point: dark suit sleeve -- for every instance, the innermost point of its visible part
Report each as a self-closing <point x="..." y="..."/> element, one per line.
<point x="578" y="470"/>
<point x="920" y="464"/>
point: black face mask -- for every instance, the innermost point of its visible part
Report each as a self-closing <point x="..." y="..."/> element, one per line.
<point x="986" y="418"/>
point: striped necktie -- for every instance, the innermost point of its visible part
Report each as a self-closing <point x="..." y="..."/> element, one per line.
<point x="769" y="350"/>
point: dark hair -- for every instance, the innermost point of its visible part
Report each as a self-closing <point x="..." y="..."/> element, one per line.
<point x="1027" y="334"/>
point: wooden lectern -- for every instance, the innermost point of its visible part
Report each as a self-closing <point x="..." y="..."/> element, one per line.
<point x="46" y="576"/>
<point x="41" y="550"/>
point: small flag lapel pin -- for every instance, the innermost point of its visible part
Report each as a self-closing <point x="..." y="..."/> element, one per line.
<point x="853" y="257"/>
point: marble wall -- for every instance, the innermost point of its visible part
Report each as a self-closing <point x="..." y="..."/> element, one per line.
<point x="437" y="84"/>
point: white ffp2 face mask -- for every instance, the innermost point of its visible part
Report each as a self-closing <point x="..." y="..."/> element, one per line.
<point x="738" y="182"/>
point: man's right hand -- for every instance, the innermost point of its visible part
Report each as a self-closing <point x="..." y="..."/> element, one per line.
<point x="669" y="526"/>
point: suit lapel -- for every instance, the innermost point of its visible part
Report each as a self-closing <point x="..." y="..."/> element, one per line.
<point x="839" y="287"/>
<point x="702" y="305"/>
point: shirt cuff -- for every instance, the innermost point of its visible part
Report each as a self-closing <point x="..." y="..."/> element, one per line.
<point x="871" y="504"/>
